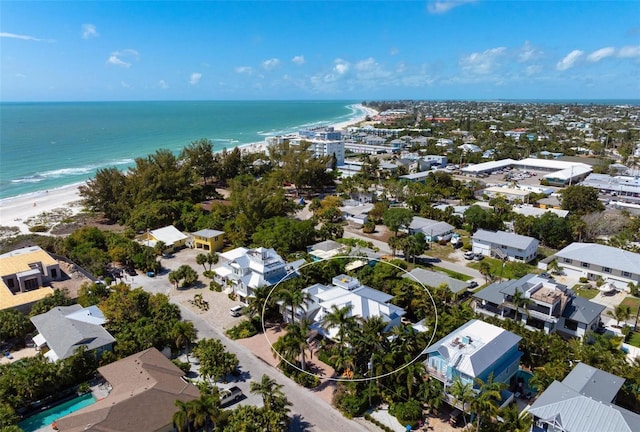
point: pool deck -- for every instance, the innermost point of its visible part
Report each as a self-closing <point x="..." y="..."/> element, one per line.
<point x="99" y="391"/>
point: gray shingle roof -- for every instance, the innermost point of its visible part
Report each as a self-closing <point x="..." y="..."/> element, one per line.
<point x="602" y="255"/>
<point x="430" y="226"/>
<point x="582" y="310"/>
<point x="504" y="238"/>
<point x="64" y="334"/>
<point x="594" y="383"/>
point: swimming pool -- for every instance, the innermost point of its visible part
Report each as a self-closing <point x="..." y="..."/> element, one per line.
<point x="46" y="417"/>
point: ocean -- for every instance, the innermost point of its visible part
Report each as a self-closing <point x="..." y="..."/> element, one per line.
<point x="44" y="146"/>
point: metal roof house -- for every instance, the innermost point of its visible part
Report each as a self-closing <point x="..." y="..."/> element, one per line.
<point x="583" y="402"/>
<point x="365" y="302"/>
<point x="594" y="261"/>
<point x="502" y="244"/>
<point x="435" y="279"/>
<point x="551" y="307"/>
<point x="171" y="236"/>
<point x="64" y="329"/>
<point x="475" y="350"/>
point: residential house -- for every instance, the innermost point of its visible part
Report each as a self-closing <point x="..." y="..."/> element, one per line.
<point x="433" y="230"/>
<point x="144" y="390"/>
<point x="476" y="350"/>
<point x="171" y="236"/>
<point x="64" y="329"/>
<point x="583" y="402"/>
<point x="244" y="270"/>
<point x="548" y="306"/>
<point x="357" y="213"/>
<point x="435" y="279"/>
<point x="24" y="276"/>
<point x="328" y="249"/>
<point x="208" y="240"/>
<point x="594" y="261"/>
<point x="365" y="302"/>
<point x="505" y="245"/>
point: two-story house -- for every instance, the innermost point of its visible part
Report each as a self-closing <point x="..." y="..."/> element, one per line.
<point x="364" y="302"/>
<point x="505" y="245"/>
<point x="475" y="350"/>
<point x="208" y="240"/>
<point x="244" y="270"/>
<point x="583" y="402"/>
<point x="595" y="261"/>
<point x="540" y="303"/>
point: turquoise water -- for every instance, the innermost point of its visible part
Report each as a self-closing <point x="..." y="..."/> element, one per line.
<point x="46" y="417"/>
<point x="49" y="145"/>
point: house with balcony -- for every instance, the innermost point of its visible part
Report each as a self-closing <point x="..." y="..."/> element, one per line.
<point x="505" y="245"/>
<point x="548" y="306"/>
<point x="476" y="350"/>
<point x="64" y="329"/>
<point x="594" y="261"/>
<point x="365" y="302"/>
<point x="583" y="402"/>
<point x="25" y="275"/>
<point x="208" y="240"/>
<point x="243" y="270"/>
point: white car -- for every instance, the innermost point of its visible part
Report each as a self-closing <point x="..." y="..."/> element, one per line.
<point x="469" y="255"/>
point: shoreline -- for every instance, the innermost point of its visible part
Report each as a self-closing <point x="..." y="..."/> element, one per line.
<point x="17" y="210"/>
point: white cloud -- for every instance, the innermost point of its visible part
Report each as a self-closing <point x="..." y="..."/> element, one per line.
<point x="20" y="75"/>
<point x="483" y="62"/>
<point x="444" y="6"/>
<point x="89" y="31"/>
<point x="271" y="63"/>
<point x="394" y="51"/>
<point x="115" y="58"/>
<point x="116" y="61"/>
<point x="528" y="52"/>
<point x="248" y="70"/>
<point x="533" y="70"/>
<point x="299" y="60"/>
<point x="21" y="37"/>
<point x="629" y="51"/>
<point x="341" y="66"/>
<point x="600" y="54"/>
<point x="163" y="84"/>
<point x="194" y="78"/>
<point x="570" y="60"/>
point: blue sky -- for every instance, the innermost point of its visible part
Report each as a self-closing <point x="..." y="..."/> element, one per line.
<point x="347" y="50"/>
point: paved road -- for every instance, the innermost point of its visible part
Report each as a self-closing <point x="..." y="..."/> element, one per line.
<point x="309" y="412"/>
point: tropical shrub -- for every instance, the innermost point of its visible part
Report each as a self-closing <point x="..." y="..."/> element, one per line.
<point x="243" y="330"/>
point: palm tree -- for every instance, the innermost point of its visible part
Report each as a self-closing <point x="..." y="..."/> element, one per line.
<point x="182" y="418"/>
<point x="183" y="333"/>
<point x="268" y="389"/>
<point x="519" y="300"/>
<point x="463" y="394"/>
<point x="485" y="404"/>
<point x="293" y="344"/>
<point x="293" y="297"/>
<point x="620" y="313"/>
<point x="212" y="258"/>
<point x="260" y="302"/>
<point x="201" y="259"/>
<point x="339" y="317"/>
<point x="205" y="412"/>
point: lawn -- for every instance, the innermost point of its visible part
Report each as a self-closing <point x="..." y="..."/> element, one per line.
<point x="634" y="339"/>
<point x="585" y="291"/>
<point x="632" y="302"/>
<point x="511" y="270"/>
<point x="440" y="251"/>
<point x="452" y="273"/>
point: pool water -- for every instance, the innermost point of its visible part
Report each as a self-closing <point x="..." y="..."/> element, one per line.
<point x="48" y="416"/>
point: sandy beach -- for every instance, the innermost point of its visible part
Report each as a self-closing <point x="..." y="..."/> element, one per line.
<point x="27" y="210"/>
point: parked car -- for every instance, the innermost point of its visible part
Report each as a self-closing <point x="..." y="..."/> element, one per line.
<point x="469" y="255"/>
<point x="472" y="284"/>
<point x="236" y="311"/>
<point x="230" y="395"/>
<point x="478" y="257"/>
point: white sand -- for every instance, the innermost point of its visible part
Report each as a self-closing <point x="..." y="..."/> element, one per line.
<point x="15" y="211"/>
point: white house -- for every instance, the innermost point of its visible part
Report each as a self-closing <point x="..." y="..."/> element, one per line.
<point x="433" y="230"/>
<point x="594" y="261"/>
<point x="502" y="244"/>
<point x="247" y="269"/>
<point x="365" y="302"/>
<point x="356" y="213"/>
